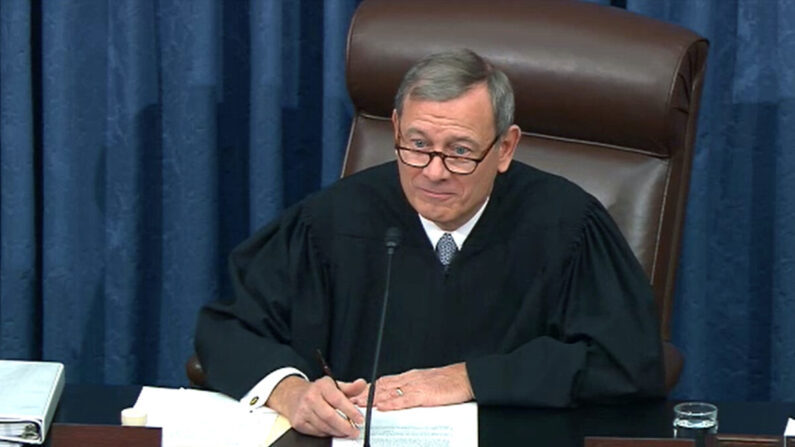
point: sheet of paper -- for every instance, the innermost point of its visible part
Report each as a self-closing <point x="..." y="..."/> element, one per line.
<point x="199" y="418"/>
<point x="790" y="430"/>
<point x="278" y="428"/>
<point x="451" y="425"/>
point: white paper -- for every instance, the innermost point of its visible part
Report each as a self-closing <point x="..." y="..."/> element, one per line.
<point x="790" y="430"/>
<point x="451" y="425"/>
<point x="199" y="418"/>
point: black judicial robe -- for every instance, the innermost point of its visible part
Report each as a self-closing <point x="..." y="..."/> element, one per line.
<point x="545" y="302"/>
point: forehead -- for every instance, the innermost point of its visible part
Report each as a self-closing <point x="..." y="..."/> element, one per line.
<point x="469" y="112"/>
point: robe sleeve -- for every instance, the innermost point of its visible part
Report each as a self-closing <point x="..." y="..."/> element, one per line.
<point x="274" y="273"/>
<point x="602" y="342"/>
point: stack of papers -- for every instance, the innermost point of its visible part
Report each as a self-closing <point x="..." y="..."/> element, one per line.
<point x="199" y="418"/>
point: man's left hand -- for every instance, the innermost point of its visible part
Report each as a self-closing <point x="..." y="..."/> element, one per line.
<point x="420" y="388"/>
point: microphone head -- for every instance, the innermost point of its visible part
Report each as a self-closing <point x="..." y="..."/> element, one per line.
<point x="392" y="237"/>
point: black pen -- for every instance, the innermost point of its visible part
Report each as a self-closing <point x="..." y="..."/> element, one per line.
<point x="327" y="371"/>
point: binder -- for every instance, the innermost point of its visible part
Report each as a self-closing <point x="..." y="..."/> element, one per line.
<point x="29" y="393"/>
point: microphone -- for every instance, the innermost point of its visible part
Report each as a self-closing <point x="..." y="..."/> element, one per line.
<point x="391" y="241"/>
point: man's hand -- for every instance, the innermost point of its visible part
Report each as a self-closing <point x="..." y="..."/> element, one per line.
<point x="312" y="407"/>
<point x="421" y="388"/>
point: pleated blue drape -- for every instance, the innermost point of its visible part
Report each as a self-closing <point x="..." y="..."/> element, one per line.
<point x="140" y="140"/>
<point x="735" y="305"/>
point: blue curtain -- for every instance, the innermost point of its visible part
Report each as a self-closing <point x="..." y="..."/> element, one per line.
<point x="735" y="303"/>
<point x="140" y="140"/>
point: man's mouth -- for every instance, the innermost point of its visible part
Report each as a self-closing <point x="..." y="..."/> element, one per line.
<point x="434" y="194"/>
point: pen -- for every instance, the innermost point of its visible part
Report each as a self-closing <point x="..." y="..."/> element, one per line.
<point x="327" y="371"/>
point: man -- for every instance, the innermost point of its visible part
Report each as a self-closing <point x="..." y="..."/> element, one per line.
<point x="511" y="286"/>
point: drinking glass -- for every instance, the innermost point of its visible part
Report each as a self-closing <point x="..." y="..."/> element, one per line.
<point x="695" y="420"/>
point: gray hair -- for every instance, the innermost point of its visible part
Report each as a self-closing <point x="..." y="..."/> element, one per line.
<point x="448" y="75"/>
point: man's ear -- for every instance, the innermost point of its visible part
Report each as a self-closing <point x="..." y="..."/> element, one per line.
<point x="507" y="147"/>
<point x="395" y="121"/>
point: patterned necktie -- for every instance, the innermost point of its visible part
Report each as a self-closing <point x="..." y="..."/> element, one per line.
<point x="446" y="249"/>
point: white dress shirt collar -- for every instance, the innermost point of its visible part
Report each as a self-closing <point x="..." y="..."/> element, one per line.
<point x="460" y="234"/>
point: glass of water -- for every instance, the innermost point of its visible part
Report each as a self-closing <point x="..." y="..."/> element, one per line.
<point x="695" y="420"/>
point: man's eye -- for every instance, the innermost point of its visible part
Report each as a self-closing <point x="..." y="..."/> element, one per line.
<point x="461" y="150"/>
<point x="419" y="144"/>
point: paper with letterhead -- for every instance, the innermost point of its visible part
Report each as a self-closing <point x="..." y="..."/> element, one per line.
<point x="200" y="418"/>
<point x="450" y="425"/>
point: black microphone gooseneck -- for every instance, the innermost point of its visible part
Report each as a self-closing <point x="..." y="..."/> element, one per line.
<point x="391" y="240"/>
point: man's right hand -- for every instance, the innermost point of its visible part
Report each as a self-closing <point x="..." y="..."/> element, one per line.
<point x="312" y="407"/>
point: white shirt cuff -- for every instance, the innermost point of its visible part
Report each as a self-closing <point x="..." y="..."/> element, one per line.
<point x="260" y="393"/>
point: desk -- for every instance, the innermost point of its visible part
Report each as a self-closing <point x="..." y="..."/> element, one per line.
<point x="94" y="404"/>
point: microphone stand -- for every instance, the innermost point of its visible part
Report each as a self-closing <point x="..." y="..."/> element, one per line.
<point x="392" y="239"/>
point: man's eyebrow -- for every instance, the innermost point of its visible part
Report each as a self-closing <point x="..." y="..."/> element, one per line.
<point x="411" y="131"/>
<point x="415" y="131"/>
<point x="464" y="140"/>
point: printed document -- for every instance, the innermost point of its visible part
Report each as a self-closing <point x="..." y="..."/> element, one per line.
<point x="451" y="425"/>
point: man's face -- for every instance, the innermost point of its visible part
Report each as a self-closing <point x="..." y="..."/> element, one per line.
<point x="461" y="126"/>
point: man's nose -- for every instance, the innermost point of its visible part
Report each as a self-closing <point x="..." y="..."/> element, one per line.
<point x="436" y="169"/>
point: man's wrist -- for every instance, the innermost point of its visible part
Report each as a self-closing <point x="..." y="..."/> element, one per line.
<point x="285" y="393"/>
<point x="259" y="394"/>
<point x="460" y="371"/>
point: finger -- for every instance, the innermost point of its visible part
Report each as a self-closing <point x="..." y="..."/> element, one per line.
<point x="361" y="398"/>
<point x="306" y="427"/>
<point x="386" y="393"/>
<point x="332" y="421"/>
<point x="314" y="413"/>
<point x="321" y="429"/>
<point x="341" y="402"/>
<point x="353" y="388"/>
<point x="411" y="397"/>
<point x="404" y="377"/>
<point x="390" y="381"/>
<point x="323" y="426"/>
<point x="306" y="421"/>
<point x="383" y="391"/>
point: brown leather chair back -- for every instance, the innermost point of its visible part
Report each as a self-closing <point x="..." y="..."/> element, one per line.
<point x="605" y="98"/>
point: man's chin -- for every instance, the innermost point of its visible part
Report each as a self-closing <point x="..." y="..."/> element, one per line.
<point x="439" y="218"/>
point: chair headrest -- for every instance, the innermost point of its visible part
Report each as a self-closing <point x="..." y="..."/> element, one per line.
<point x="580" y="71"/>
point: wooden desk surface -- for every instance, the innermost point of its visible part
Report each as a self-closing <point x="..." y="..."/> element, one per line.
<point x="98" y="404"/>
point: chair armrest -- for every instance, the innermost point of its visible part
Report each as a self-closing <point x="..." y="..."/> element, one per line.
<point x="195" y="373"/>
<point x="673" y="361"/>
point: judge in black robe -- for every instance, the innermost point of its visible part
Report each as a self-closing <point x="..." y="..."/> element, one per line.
<point x="544" y="305"/>
<point x="545" y="302"/>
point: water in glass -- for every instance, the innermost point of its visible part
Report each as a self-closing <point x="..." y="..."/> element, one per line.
<point x="696" y="430"/>
<point x="695" y="420"/>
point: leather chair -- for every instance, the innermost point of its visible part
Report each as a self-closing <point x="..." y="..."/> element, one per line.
<point x="606" y="98"/>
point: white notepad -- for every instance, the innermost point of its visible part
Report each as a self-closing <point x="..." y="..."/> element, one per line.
<point x="29" y="393"/>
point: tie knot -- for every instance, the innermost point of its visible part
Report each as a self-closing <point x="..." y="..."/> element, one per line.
<point x="446" y="249"/>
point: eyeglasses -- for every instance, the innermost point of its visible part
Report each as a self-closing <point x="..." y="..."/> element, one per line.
<point x="418" y="158"/>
